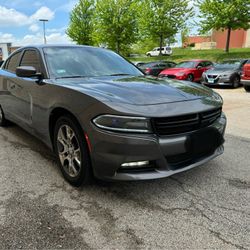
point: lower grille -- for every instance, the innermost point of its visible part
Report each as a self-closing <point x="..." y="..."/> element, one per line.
<point x="185" y="123"/>
<point x="171" y="76"/>
<point x="200" y="144"/>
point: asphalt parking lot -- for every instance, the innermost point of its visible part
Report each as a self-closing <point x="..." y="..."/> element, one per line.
<point x="207" y="207"/>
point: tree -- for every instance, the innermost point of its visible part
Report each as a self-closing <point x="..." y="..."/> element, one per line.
<point x="81" y="25"/>
<point x="162" y="19"/>
<point x="116" y="23"/>
<point x="184" y="36"/>
<point x="224" y="14"/>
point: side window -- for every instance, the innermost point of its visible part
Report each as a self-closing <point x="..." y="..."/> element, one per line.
<point x="202" y="64"/>
<point x="158" y="49"/>
<point x="31" y="58"/>
<point x="13" y="62"/>
<point x="208" y="64"/>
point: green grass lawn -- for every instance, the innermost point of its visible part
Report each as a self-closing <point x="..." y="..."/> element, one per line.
<point x="180" y="54"/>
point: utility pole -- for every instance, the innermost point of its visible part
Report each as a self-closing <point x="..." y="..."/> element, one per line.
<point x="44" y="34"/>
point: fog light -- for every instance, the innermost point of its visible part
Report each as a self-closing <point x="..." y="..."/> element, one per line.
<point x="135" y="164"/>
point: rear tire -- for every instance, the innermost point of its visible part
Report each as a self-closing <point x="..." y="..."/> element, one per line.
<point x="190" y="78"/>
<point x="3" y="121"/>
<point x="72" y="151"/>
<point x="247" y="88"/>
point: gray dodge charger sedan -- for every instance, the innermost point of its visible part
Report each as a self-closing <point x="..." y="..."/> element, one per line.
<point x="103" y="118"/>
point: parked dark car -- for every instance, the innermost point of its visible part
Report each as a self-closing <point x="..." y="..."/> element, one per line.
<point x="226" y="73"/>
<point x="154" y="68"/>
<point x="191" y="70"/>
<point x="104" y="118"/>
<point x="245" y="78"/>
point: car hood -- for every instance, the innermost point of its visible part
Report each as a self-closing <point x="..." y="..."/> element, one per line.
<point x="140" y="90"/>
<point x="221" y="71"/>
<point x="173" y="71"/>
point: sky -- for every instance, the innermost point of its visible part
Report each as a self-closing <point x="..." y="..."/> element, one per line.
<point x="19" y="21"/>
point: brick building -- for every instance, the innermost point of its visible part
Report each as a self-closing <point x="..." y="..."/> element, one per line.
<point x="239" y="39"/>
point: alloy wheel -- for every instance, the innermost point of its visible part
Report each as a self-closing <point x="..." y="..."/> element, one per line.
<point x="69" y="150"/>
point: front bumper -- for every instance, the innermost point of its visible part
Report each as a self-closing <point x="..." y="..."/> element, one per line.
<point x="245" y="82"/>
<point x="110" y="150"/>
<point x="219" y="81"/>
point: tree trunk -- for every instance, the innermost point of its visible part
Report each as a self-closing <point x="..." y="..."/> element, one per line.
<point x="161" y="42"/>
<point x="117" y="46"/>
<point x="228" y="39"/>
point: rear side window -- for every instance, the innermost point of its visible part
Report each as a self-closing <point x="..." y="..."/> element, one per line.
<point x="31" y="58"/>
<point x="208" y="64"/>
<point x="13" y="62"/>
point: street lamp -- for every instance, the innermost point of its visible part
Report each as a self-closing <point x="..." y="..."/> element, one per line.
<point x="44" y="35"/>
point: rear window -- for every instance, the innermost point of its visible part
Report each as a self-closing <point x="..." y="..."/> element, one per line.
<point x="13" y="62"/>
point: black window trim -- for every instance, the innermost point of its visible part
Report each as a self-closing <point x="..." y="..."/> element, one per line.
<point x="6" y="63"/>
<point x="44" y="70"/>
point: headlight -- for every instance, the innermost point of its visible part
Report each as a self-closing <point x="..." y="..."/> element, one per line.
<point x="123" y="123"/>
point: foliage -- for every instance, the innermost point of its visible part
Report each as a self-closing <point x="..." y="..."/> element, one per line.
<point x="216" y="55"/>
<point x="161" y="19"/>
<point x="116" y="23"/>
<point x="224" y="14"/>
<point x="81" y="25"/>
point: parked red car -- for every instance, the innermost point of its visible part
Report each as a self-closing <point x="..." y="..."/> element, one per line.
<point x="188" y="70"/>
<point x="245" y="78"/>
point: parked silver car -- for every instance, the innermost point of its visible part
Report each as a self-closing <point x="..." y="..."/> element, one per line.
<point x="227" y="73"/>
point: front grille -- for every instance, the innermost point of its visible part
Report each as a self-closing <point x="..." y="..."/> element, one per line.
<point x="171" y="76"/>
<point x="185" y="123"/>
<point x="212" y="76"/>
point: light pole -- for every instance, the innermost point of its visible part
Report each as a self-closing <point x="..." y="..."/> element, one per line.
<point x="44" y="35"/>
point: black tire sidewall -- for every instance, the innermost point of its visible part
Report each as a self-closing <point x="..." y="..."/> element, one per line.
<point x="236" y="84"/>
<point x="3" y="121"/>
<point x="190" y="75"/>
<point x="247" y="88"/>
<point x="85" y="175"/>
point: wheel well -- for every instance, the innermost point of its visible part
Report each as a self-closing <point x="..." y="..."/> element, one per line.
<point x="54" y="116"/>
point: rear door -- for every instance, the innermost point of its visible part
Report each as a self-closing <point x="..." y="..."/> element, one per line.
<point x="201" y="67"/>
<point x="9" y="85"/>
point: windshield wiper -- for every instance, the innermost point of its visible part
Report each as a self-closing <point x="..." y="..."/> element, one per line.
<point x="119" y="74"/>
<point x="62" y="77"/>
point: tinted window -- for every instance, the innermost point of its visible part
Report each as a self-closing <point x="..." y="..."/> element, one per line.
<point x="86" y="62"/>
<point x="209" y="64"/>
<point x="202" y="64"/>
<point x="31" y="58"/>
<point x="13" y="62"/>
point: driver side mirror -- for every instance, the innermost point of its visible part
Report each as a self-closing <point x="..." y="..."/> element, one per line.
<point x="26" y="71"/>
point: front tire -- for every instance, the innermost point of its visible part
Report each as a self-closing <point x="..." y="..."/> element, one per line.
<point x="3" y="121"/>
<point x="247" y="88"/>
<point x="236" y="82"/>
<point x="190" y="78"/>
<point x="72" y="151"/>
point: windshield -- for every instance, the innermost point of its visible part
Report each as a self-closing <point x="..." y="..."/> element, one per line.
<point x="228" y="64"/>
<point x="66" y="62"/>
<point x="187" y="64"/>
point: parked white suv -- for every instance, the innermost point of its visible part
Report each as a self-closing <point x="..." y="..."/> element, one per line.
<point x="167" y="51"/>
